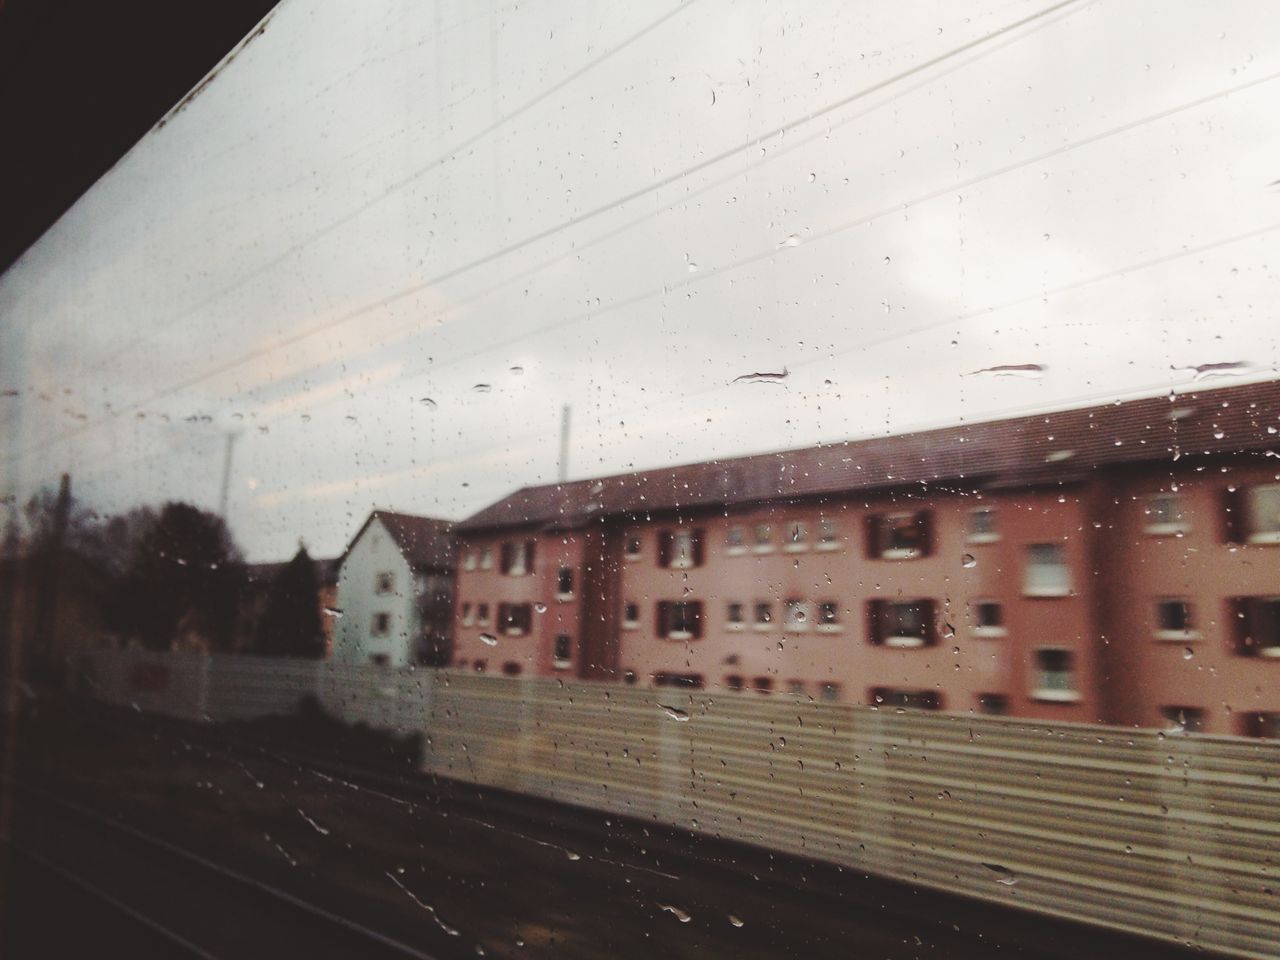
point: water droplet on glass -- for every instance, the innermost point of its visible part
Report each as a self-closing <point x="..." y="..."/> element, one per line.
<point x="676" y="912"/>
<point x="333" y="612"/>
<point x="735" y="920"/>
<point x="1188" y="653"/>
<point x="489" y="639"/>
<point x="675" y="713"/>
<point x="517" y="371"/>
<point x="427" y="402"/>
<point x="813" y="177"/>
<point x="968" y="560"/>
<point x="793" y="240"/>
<point x="1002" y="874"/>
<point x="540" y="607"/>
<point x="1028" y="371"/>
<point x="482" y="388"/>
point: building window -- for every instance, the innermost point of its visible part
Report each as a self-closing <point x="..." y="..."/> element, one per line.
<point x="797" y="536"/>
<point x="480" y="666"/>
<point x="900" y="536"/>
<point x="828" y="615"/>
<point x="469" y="560"/>
<point x="796" y="615"/>
<point x="733" y="682"/>
<point x="796" y="686"/>
<point x="1164" y="514"/>
<point x="734" y="616"/>
<point x="680" y="549"/>
<point x="631" y="546"/>
<point x="468" y="617"/>
<point x="1174" y="620"/>
<point x="1256" y="622"/>
<point x="828" y="535"/>
<point x="1263" y="514"/>
<point x="381" y="624"/>
<point x="763" y="537"/>
<point x="1054" y="676"/>
<point x="517" y="558"/>
<point x="384" y="583"/>
<point x="380" y="659"/>
<point x="735" y="540"/>
<point x="482" y="614"/>
<point x="762" y="684"/>
<point x="486" y="558"/>
<point x="982" y="525"/>
<point x="988" y="619"/>
<point x="564" y="583"/>
<point x="906" y="699"/>
<point x="763" y="615"/>
<point x="515" y="619"/>
<point x="562" y="651"/>
<point x="829" y="691"/>
<point x="680" y="619"/>
<point x="993" y="704"/>
<point x="630" y="615"/>
<point x="902" y="623"/>
<point x="1188" y="719"/>
<point x="1263" y="724"/>
<point x="1047" y="574"/>
<point x="689" y="681"/>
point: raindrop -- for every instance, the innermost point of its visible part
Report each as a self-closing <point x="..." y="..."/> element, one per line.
<point x="735" y="920"/>
<point x="333" y="612"/>
<point x="813" y="177"/>
<point x="1029" y="371"/>
<point x="1187" y="653"/>
<point x="489" y="639"/>
<point x="540" y="607"/>
<point x="674" y="713"/>
<point x="517" y="371"/>
<point x="793" y="240"/>
<point x="482" y="388"/>
<point x="968" y="560"/>
<point x="1002" y="874"/>
<point x="428" y="402"/>
<point x="676" y="912"/>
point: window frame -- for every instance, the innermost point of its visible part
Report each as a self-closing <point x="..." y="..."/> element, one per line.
<point x="731" y="548"/>
<point x="824" y="542"/>
<point x="1164" y="528"/>
<point x="1046" y="592"/>
<point x="1187" y="634"/>
<point x="834" y="625"/>
<point x="384" y="583"/>
<point x="980" y="536"/>
<point x="557" y="661"/>
<point x="1253" y="534"/>
<point x="1053" y="694"/>
<point x="979" y="629"/>
<point x="666" y="616"/>
<point x="730" y="623"/>
<point x="562" y="594"/>
<point x="381" y="625"/>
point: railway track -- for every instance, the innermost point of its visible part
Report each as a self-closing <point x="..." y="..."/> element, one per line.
<point x="177" y="902"/>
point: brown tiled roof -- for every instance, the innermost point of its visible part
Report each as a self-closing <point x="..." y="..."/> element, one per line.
<point x="426" y="542"/>
<point x="1055" y="447"/>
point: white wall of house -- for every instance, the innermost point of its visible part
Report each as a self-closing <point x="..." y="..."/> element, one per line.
<point x="357" y="638"/>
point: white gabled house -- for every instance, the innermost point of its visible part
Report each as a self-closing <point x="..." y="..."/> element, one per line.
<point x="395" y="591"/>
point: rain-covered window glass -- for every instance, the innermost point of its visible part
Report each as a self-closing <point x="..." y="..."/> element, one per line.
<point x="1256" y="623"/>
<point x="564" y="583"/>
<point x="1164" y="514"/>
<point x="796" y="615"/>
<point x="1186" y="719"/>
<point x="899" y="536"/>
<point x="515" y="619"/>
<point x="996" y="704"/>
<point x="1264" y="514"/>
<point x="982" y="525"/>
<point x="562" y="654"/>
<point x="763" y="615"/>
<point x="763" y="537"/>
<point x="1174" y="620"/>
<point x="734" y="616"/>
<point x="988" y="618"/>
<point x="797" y="536"/>
<point x="828" y="615"/>
<point x="680" y="549"/>
<point x="1046" y="573"/>
<point x="680" y="619"/>
<point x="1053" y="675"/>
<point x="896" y="623"/>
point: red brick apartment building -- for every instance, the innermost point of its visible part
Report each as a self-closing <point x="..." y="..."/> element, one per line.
<point x="1116" y="563"/>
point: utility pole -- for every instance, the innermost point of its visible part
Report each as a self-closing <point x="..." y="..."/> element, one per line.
<point x="226" y="474"/>
<point x="564" y="443"/>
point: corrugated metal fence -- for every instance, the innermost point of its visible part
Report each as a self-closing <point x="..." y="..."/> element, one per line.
<point x="1173" y="836"/>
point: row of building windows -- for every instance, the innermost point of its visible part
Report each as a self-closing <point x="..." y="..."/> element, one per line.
<point x="1254" y="621"/>
<point x="1252" y="516"/>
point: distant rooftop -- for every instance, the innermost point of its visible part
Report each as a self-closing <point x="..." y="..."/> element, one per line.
<point x="426" y="542"/>
<point x="1061" y="446"/>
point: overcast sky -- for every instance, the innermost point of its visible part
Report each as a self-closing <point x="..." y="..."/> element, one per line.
<point x="391" y="239"/>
